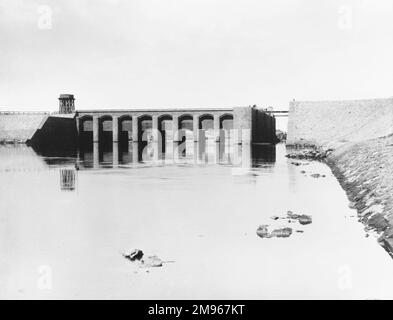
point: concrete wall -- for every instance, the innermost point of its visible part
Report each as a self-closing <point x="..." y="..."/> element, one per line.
<point x="331" y="123"/>
<point x="57" y="136"/>
<point x="263" y="127"/>
<point x="19" y="126"/>
<point x="242" y="121"/>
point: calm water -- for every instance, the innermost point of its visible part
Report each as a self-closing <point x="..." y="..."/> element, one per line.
<point x="64" y="223"/>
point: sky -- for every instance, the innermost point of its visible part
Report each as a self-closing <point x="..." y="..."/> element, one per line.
<point x="193" y="53"/>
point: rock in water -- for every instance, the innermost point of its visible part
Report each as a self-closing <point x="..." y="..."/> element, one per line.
<point x="151" y="261"/>
<point x="134" y="255"/>
<point x="282" y="233"/>
<point x="305" y="219"/>
<point x="142" y="260"/>
<point x="263" y="232"/>
<point x="292" y="215"/>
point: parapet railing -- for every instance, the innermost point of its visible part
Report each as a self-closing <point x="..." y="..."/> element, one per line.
<point x="24" y="112"/>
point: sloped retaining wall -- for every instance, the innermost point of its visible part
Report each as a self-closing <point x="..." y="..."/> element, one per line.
<point x="360" y="134"/>
<point x="365" y="171"/>
<point x="336" y="122"/>
<point x="20" y="126"/>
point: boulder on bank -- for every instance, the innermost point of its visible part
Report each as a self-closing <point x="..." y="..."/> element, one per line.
<point x="281" y="135"/>
<point x="313" y="154"/>
<point x="378" y="222"/>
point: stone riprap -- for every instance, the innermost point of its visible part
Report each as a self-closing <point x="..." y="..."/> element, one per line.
<point x="355" y="139"/>
<point x="365" y="171"/>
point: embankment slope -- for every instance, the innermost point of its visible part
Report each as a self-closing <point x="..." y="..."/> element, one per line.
<point x="365" y="171"/>
<point x="331" y="123"/>
<point x="360" y="132"/>
<point x="20" y="127"/>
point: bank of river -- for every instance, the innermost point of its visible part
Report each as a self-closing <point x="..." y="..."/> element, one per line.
<point x="75" y="224"/>
<point x="365" y="171"/>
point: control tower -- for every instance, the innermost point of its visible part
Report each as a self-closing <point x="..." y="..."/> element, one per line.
<point x="66" y="103"/>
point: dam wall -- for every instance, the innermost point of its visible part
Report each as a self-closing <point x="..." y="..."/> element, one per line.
<point x="263" y="127"/>
<point x="53" y="132"/>
<point x="331" y="123"/>
<point x="251" y="125"/>
<point x="58" y="134"/>
<point x="20" y="126"/>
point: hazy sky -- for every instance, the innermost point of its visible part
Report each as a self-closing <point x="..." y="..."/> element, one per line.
<point x="187" y="53"/>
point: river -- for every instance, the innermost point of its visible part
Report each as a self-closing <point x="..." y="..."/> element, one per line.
<point x="65" y="222"/>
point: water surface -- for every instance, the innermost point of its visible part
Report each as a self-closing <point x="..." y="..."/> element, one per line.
<point x="64" y="223"/>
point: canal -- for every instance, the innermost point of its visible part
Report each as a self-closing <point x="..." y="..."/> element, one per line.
<point x="65" y="222"/>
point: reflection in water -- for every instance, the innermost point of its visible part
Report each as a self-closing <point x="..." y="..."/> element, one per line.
<point x="81" y="234"/>
<point x="263" y="154"/>
<point x="59" y="152"/>
<point x="184" y="152"/>
<point x="210" y="149"/>
<point x="205" y="152"/>
<point x="67" y="179"/>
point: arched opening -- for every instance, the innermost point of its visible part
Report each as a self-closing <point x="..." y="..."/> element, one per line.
<point x="145" y="124"/>
<point x="186" y="122"/>
<point x="185" y="133"/>
<point x="125" y="133"/>
<point x="105" y="132"/>
<point x="205" y="134"/>
<point x="226" y="122"/>
<point x="86" y="132"/>
<point x="144" y="128"/>
<point x="206" y="122"/>
<point x="165" y="128"/>
<point x="226" y="127"/>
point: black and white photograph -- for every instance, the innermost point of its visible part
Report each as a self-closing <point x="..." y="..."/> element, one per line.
<point x="196" y="150"/>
